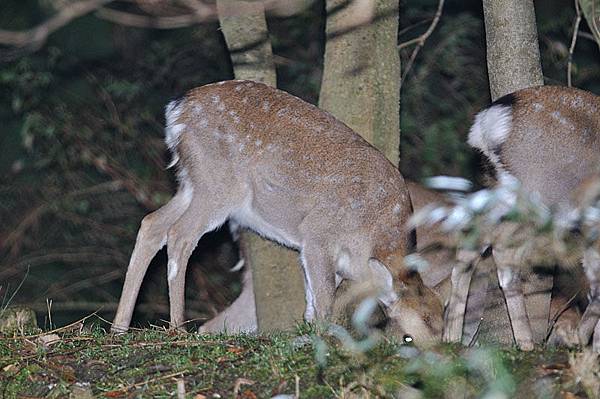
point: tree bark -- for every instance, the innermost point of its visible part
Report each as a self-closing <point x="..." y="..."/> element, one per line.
<point x="277" y="276"/>
<point x="361" y="72"/>
<point x="513" y="60"/>
<point x="513" y="53"/>
<point x="361" y="87"/>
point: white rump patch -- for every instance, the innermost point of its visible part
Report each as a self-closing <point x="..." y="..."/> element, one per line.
<point x="174" y="129"/>
<point x="490" y="129"/>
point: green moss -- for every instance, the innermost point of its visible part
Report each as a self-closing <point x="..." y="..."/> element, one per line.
<point x="147" y="363"/>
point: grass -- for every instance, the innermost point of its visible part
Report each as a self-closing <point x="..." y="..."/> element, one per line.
<point x="152" y="362"/>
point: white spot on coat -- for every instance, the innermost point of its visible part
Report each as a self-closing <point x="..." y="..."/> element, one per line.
<point x="172" y="270"/>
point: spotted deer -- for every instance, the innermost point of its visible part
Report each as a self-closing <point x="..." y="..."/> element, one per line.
<point x="275" y="164"/>
<point x="240" y="316"/>
<point x="548" y="139"/>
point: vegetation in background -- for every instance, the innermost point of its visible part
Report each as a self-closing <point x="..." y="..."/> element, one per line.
<point x="81" y="144"/>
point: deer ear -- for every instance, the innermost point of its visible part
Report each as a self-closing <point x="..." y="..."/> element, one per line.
<point x="382" y="275"/>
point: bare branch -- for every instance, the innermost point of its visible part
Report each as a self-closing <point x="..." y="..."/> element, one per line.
<point x="573" y="42"/>
<point x="420" y="41"/>
<point x="200" y="11"/>
<point x="36" y="36"/>
<point x="203" y="14"/>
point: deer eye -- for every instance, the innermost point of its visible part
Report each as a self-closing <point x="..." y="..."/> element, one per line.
<point x="407" y="339"/>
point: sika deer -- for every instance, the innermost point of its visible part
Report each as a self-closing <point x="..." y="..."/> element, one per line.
<point x="240" y="316"/>
<point x="548" y="138"/>
<point x="293" y="173"/>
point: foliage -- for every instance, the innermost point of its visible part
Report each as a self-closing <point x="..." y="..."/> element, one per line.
<point x="509" y="216"/>
<point x="81" y="143"/>
<point x="591" y="10"/>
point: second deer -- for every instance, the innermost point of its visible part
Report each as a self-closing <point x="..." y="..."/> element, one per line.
<point x="548" y="139"/>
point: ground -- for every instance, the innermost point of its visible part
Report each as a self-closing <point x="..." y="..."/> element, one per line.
<point x="84" y="361"/>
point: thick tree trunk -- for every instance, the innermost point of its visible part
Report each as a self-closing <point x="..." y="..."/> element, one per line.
<point x="361" y="72"/>
<point x="513" y="60"/>
<point x="361" y="87"/>
<point x="277" y="275"/>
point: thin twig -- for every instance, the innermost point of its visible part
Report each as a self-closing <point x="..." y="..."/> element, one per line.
<point x="420" y="41"/>
<point x="563" y="309"/>
<point x="413" y="26"/>
<point x="573" y="42"/>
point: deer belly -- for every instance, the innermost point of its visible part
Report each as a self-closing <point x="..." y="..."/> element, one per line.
<point x="267" y="224"/>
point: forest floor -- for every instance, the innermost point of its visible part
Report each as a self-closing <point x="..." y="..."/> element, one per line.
<point x="84" y="361"/>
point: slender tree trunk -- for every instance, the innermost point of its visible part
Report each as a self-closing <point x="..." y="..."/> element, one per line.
<point x="513" y="53"/>
<point x="361" y="72"/>
<point x="277" y="275"/>
<point x="513" y="60"/>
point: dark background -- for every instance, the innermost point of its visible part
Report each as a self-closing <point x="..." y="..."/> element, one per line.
<point x="82" y="157"/>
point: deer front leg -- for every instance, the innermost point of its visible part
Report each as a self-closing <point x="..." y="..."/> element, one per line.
<point x="457" y="303"/>
<point x="507" y="262"/>
<point x="198" y="219"/>
<point x="590" y="321"/>
<point x="150" y="239"/>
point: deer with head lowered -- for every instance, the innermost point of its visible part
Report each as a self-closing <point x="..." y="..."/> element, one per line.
<point x="548" y="139"/>
<point x="294" y="174"/>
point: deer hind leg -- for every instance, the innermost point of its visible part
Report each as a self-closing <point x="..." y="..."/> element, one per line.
<point x="203" y="215"/>
<point x="590" y="321"/>
<point x="462" y="273"/>
<point x="151" y="237"/>
<point x="508" y="262"/>
<point x="319" y="279"/>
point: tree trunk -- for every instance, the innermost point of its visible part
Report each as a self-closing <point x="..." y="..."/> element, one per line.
<point x="361" y="72"/>
<point x="513" y="60"/>
<point x="361" y="87"/>
<point x="277" y="275"/>
<point x="513" y="53"/>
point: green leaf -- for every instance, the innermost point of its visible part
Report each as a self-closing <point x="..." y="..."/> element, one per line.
<point x="591" y="11"/>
